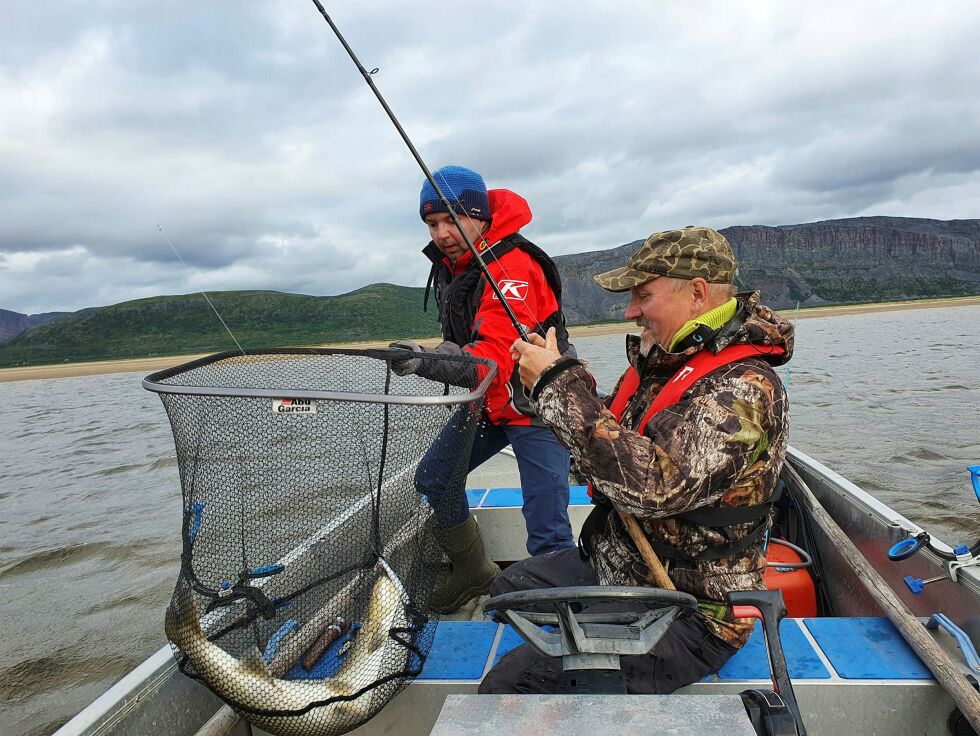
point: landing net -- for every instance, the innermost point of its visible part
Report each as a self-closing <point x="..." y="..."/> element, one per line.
<point x="307" y="560"/>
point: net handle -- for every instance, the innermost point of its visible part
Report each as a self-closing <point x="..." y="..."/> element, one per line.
<point x="152" y="383"/>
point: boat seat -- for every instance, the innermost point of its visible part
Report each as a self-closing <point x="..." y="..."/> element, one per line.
<point x="498" y="498"/>
<point x="866" y="649"/>
<point x="816" y="649"/>
<point x="752" y="663"/>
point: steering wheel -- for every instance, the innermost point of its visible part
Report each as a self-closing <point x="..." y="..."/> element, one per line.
<point x="589" y="640"/>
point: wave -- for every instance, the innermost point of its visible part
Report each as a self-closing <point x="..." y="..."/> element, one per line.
<point x="105" y="472"/>
<point x="64" y="556"/>
<point x="65" y="667"/>
<point x="130" y="600"/>
<point x="164" y="462"/>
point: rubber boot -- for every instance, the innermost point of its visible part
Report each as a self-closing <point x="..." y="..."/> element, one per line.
<point x="471" y="573"/>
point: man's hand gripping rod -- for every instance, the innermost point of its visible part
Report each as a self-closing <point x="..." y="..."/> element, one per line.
<point x="521" y="330"/>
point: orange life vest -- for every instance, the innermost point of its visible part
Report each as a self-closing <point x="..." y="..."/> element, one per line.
<point x="720" y="518"/>
<point x="695" y="369"/>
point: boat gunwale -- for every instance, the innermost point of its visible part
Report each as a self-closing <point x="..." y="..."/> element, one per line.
<point x="123" y="695"/>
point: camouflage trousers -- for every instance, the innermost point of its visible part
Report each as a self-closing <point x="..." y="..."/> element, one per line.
<point x="685" y="654"/>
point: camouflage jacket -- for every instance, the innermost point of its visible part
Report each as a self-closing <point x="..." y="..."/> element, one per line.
<point x="722" y="444"/>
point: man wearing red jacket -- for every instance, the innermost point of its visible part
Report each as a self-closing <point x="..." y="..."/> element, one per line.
<point x="473" y="321"/>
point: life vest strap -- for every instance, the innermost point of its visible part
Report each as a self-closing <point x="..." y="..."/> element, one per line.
<point x="714" y="552"/>
<point x="723" y="516"/>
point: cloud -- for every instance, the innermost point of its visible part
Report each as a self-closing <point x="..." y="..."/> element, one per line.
<point x="246" y="132"/>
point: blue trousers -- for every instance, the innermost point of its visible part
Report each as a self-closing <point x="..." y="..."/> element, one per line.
<point x="543" y="466"/>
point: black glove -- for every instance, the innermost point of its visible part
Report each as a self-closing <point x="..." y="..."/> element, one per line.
<point x="410" y="363"/>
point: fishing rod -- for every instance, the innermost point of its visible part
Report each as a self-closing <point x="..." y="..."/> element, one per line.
<point x="521" y="330"/>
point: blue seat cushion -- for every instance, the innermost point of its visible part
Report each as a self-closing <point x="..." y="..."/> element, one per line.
<point x="460" y="650"/>
<point x="751" y="662"/>
<point x="867" y="649"/>
<point x="858" y="648"/>
<point x="510" y="639"/>
<point x="506" y="497"/>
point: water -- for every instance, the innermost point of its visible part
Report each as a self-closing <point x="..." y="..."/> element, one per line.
<point x="90" y="502"/>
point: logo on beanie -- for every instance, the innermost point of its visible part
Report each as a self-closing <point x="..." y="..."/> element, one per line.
<point x="512" y="289"/>
<point x="427" y="207"/>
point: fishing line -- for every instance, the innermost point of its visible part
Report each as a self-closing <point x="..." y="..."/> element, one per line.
<point x="206" y="297"/>
<point x="521" y="330"/>
<point x="796" y="319"/>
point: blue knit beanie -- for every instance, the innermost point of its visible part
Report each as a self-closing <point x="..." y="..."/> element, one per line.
<point x="465" y="189"/>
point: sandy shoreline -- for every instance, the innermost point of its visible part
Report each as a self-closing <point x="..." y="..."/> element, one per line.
<point x="149" y="365"/>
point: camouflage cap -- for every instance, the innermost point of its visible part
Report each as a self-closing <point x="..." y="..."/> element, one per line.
<point x="687" y="253"/>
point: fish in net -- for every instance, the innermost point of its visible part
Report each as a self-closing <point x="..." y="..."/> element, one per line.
<point x="307" y="559"/>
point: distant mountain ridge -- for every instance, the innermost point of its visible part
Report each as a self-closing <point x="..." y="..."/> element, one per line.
<point x="14" y="323"/>
<point x="864" y="259"/>
<point x="175" y="325"/>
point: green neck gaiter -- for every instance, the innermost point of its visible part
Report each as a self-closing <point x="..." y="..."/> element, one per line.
<point x="712" y="319"/>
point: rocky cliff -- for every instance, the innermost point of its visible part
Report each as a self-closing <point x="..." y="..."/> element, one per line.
<point x="864" y="259"/>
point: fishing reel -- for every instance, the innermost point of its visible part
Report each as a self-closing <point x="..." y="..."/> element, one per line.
<point x="961" y="556"/>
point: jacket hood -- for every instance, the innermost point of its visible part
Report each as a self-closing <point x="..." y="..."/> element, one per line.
<point x="509" y="212"/>
<point x="753" y="324"/>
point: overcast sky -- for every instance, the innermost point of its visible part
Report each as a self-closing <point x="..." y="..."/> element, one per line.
<point x="244" y="130"/>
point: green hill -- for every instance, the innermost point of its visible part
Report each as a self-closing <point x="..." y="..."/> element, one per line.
<point x="175" y="325"/>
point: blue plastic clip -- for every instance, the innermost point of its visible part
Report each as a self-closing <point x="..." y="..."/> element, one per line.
<point x="975" y="477"/>
<point x="267" y="569"/>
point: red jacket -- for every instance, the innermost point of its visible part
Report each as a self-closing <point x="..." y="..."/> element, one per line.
<point x="472" y="317"/>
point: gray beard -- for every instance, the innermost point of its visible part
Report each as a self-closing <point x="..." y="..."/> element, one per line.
<point x="646" y="343"/>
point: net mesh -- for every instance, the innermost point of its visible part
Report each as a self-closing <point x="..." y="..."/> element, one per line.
<point x="307" y="560"/>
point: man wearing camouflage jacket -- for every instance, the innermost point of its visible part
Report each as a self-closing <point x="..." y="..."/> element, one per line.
<point x="699" y="474"/>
